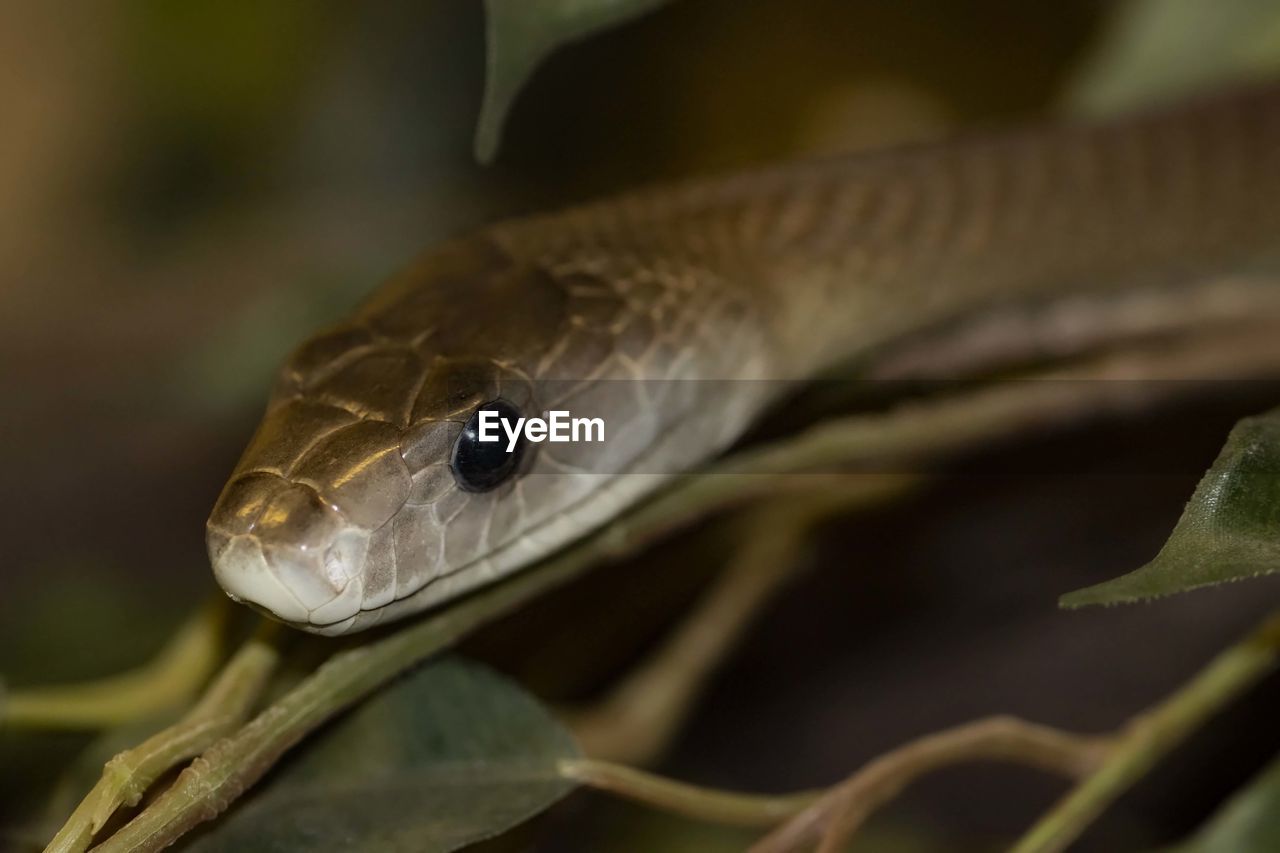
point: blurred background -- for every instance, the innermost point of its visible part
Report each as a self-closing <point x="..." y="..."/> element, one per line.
<point x="188" y="189"/>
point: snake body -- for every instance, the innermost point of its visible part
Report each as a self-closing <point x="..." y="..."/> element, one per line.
<point x="346" y="511"/>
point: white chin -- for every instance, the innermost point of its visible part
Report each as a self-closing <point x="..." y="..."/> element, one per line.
<point x="293" y="590"/>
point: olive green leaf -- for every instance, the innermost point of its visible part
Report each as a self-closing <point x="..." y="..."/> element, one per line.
<point x="1249" y="822"/>
<point x="450" y="755"/>
<point x="521" y="34"/>
<point x="1153" y="50"/>
<point x="1230" y="529"/>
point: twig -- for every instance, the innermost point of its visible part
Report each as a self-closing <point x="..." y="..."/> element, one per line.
<point x="167" y="681"/>
<point x="833" y="819"/>
<point x="224" y="705"/>
<point x="1149" y="737"/>
<point x="223" y="773"/>
<point x="831" y="816"/>
<point x="214" y="780"/>
<point x="636" y="720"/>
<point x="728" y="808"/>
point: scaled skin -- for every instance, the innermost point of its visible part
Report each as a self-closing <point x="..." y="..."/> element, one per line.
<point x="343" y="511"/>
<point x="662" y="311"/>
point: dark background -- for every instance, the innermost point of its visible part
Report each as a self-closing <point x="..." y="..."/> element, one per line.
<point x="188" y="189"/>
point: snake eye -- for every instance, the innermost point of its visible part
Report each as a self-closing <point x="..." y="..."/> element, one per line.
<point x="479" y="466"/>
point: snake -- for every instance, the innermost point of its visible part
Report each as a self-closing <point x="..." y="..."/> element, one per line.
<point x="676" y="314"/>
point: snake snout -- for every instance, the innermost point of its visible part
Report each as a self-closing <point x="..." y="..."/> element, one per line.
<point x="276" y="545"/>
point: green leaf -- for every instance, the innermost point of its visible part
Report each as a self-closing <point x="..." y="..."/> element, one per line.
<point x="1248" y="823"/>
<point x="1155" y="50"/>
<point x="1229" y="531"/>
<point x="450" y="755"/>
<point x="521" y="34"/>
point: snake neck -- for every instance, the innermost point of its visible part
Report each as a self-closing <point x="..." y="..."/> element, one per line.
<point x="833" y="258"/>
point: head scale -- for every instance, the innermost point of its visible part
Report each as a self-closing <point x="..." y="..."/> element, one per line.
<point x="347" y="508"/>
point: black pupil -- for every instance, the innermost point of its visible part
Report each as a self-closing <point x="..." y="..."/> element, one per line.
<point x="479" y="466"/>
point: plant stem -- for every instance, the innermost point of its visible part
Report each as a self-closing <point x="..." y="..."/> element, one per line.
<point x="127" y="776"/>
<point x="168" y="681"/>
<point x="706" y="804"/>
<point x="227" y="769"/>
<point x="832" y="820"/>
<point x="230" y="767"/>
<point x="1149" y="737"/>
<point x="637" y="718"/>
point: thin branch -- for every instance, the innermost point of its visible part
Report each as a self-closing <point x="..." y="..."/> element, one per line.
<point x="167" y="681"/>
<point x="637" y="719"/>
<point x="1151" y="736"/>
<point x="831" y="817"/>
<point x="634" y="722"/>
<point x="230" y="767"/>
<point x="831" y="821"/>
<point x="728" y="808"/>
<point x="1108" y="765"/>
<point x="224" y="706"/>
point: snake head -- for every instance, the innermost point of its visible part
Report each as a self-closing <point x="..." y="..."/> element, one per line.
<point x="363" y="497"/>
<point x="358" y="438"/>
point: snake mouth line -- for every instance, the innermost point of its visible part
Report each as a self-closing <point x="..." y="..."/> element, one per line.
<point x="501" y="549"/>
<point x="617" y="478"/>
